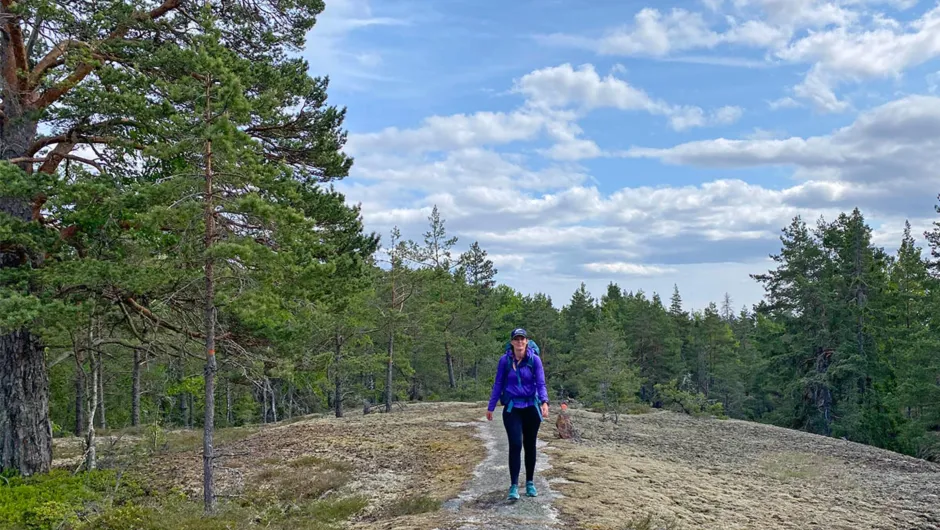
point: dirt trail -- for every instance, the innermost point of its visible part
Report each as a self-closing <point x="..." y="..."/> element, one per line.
<point x="484" y="505"/>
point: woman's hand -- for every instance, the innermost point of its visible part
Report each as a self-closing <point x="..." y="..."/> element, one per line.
<point x="489" y="415"/>
<point x="545" y="410"/>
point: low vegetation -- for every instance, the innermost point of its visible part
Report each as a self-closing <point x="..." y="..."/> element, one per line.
<point x="314" y="473"/>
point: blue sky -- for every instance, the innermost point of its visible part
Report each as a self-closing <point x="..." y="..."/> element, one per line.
<point x="644" y="143"/>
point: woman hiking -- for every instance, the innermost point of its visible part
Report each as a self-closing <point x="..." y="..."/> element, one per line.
<point x="520" y="386"/>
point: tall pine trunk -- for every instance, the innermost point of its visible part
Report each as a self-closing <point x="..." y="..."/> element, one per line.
<point x="79" y="392"/>
<point x="337" y="358"/>
<point x="450" y="365"/>
<point x="25" y="428"/>
<point x="135" y="389"/>
<point x="389" y="367"/>
<point x="228" y="403"/>
<point x="91" y="459"/>
<point x="208" y="489"/>
<point x="103" y="421"/>
<point x="24" y="404"/>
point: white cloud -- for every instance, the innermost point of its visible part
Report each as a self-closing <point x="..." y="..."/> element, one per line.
<point x="463" y="167"/>
<point x="895" y="141"/>
<point x="785" y="102"/>
<point x="555" y="97"/>
<point x="800" y="13"/>
<point x="563" y="86"/>
<point x="728" y="114"/>
<point x="442" y="133"/>
<point x="573" y="149"/>
<point x="630" y="269"/>
<point x="507" y="261"/>
<point x="656" y="34"/>
<point x="882" y="163"/>
<point x="841" y="41"/>
<point x="583" y="88"/>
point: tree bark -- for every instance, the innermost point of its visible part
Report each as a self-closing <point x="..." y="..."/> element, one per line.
<point x="228" y="402"/>
<point x="135" y="390"/>
<point x="337" y="358"/>
<point x="185" y="410"/>
<point x="389" y="368"/>
<point x="25" y="429"/>
<point x="91" y="459"/>
<point x="80" y="382"/>
<point x="273" y="402"/>
<point x="450" y="365"/>
<point x="208" y="489"/>
<point x="264" y="401"/>
<point x="103" y="422"/>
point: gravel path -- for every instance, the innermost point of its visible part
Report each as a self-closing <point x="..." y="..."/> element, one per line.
<point x="484" y="504"/>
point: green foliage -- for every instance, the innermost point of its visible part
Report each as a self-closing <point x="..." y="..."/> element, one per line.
<point x="678" y="397"/>
<point x="48" y="501"/>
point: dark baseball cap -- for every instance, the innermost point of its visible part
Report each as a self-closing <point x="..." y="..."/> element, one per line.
<point x="518" y="332"/>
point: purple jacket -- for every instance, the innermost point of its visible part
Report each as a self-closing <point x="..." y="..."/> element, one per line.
<point x="523" y="385"/>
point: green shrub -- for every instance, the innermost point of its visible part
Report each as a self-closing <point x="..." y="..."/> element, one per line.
<point x="49" y="514"/>
<point x="45" y="501"/>
<point x="681" y="399"/>
<point x="128" y="517"/>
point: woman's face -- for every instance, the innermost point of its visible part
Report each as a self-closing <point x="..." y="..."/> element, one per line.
<point x="519" y="343"/>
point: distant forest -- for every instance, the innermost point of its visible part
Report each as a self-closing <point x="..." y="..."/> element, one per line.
<point x="844" y="344"/>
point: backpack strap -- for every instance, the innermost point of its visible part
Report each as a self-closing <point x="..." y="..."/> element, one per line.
<point x="508" y="403"/>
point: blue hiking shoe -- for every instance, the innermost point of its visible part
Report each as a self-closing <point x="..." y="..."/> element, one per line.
<point x="530" y="490"/>
<point x="514" y="492"/>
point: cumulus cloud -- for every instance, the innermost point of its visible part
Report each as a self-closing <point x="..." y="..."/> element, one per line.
<point x="842" y="41"/>
<point x="897" y="140"/>
<point x="442" y="133"/>
<point x="555" y="98"/>
<point x="565" y="86"/>
<point x="629" y="269"/>
<point x="658" y="34"/>
<point x="883" y="163"/>
<point x="511" y="180"/>
<point x="462" y="168"/>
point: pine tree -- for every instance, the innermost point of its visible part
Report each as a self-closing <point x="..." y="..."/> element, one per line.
<point x="796" y="299"/>
<point x="478" y="270"/>
<point x="85" y="72"/>
<point x="859" y="278"/>
<point x="727" y="313"/>
<point x="608" y="377"/>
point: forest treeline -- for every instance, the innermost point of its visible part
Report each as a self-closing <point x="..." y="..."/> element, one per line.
<point x="844" y="344"/>
<point x="172" y="253"/>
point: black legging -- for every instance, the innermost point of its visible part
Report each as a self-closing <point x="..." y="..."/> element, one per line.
<point x="522" y="428"/>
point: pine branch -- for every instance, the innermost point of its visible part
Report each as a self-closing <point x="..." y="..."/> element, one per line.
<point x="51" y="162"/>
<point x="34" y="34"/>
<point x="17" y="49"/>
<point x="53" y="59"/>
<point x="53" y="94"/>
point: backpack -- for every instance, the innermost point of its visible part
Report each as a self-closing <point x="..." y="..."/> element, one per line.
<point x="535" y="349"/>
